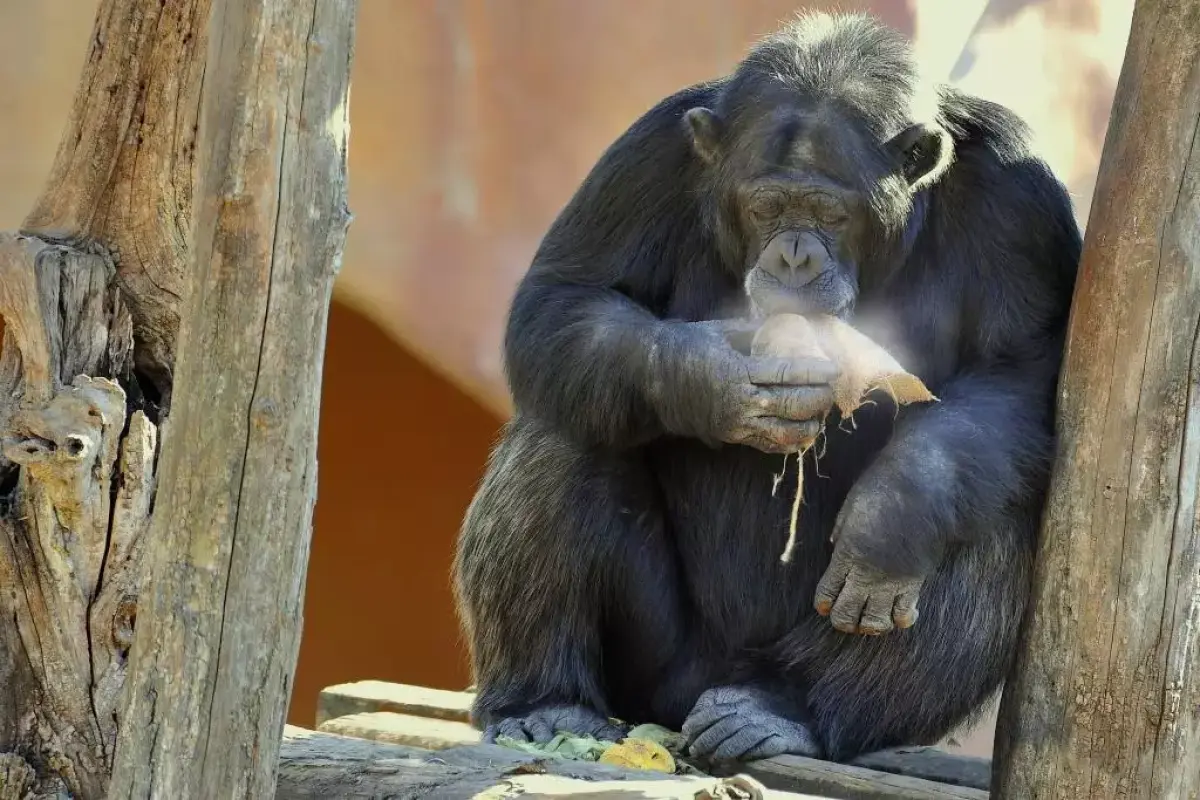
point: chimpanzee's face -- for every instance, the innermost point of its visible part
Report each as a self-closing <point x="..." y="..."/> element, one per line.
<point x="814" y="199"/>
<point x="799" y="227"/>
<point x="802" y="211"/>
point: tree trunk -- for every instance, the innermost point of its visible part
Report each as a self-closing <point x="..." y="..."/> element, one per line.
<point x="1104" y="699"/>
<point x="90" y="293"/>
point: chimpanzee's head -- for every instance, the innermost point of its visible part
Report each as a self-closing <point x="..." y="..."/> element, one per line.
<point x="815" y="157"/>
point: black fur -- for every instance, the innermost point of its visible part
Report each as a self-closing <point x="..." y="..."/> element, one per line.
<point x="619" y="559"/>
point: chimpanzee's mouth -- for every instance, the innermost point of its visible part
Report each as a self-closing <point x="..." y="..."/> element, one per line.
<point x="827" y="294"/>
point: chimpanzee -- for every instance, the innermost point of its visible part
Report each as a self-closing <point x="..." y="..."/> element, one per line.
<point x="621" y="560"/>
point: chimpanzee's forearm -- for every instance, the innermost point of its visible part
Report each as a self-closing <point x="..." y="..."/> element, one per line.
<point x="953" y="466"/>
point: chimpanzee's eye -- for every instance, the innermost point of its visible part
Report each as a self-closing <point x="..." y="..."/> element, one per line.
<point x="826" y="210"/>
<point x="767" y="204"/>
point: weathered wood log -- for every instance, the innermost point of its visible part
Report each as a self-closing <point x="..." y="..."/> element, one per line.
<point x="316" y="766"/>
<point x="850" y="782"/>
<point x="125" y="168"/>
<point x="219" y="624"/>
<point x="907" y="775"/>
<point x="320" y="765"/>
<point x="69" y="554"/>
<point x="931" y="764"/>
<point x="90" y="293"/>
<point x="86" y="291"/>
<point x="1104" y="698"/>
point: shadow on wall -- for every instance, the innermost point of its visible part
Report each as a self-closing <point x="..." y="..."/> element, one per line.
<point x="400" y="453"/>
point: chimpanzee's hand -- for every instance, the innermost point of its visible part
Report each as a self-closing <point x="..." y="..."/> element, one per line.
<point x="859" y="598"/>
<point x="881" y="556"/>
<point x="707" y="386"/>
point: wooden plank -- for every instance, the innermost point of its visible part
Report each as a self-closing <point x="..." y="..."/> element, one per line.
<point x="848" y="782"/>
<point x="437" y="719"/>
<point x="785" y="773"/>
<point x="345" y="699"/>
<point x="317" y="766"/>
<point x="393" y="728"/>
<point x="537" y="787"/>
<point x="931" y="764"/>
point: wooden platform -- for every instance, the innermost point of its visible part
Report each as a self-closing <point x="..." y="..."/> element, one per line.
<point x="409" y="741"/>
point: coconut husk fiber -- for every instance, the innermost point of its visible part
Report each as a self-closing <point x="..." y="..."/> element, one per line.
<point x="863" y="365"/>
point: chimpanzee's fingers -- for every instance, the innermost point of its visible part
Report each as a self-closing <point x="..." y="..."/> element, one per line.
<point x="792" y="371"/>
<point x="877" y="615"/>
<point x="512" y="728"/>
<point x="792" y="402"/>
<point x="773" y="435"/>
<point x="830" y="585"/>
<point x="905" y="611"/>
<point x="848" y="609"/>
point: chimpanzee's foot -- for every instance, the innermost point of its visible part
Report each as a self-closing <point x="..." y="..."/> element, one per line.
<point x="744" y="723"/>
<point x="542" y="724"/>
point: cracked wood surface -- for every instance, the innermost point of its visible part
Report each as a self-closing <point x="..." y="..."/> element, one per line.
<point x="125" y="166"/>
<point x="91" y="293"/>
<point x="1104" y="700"/>
<point x="77" y="475"/>
<point x="436" y="719"/>
<point x="219" y="623"/>
<point x="69" y="555"/>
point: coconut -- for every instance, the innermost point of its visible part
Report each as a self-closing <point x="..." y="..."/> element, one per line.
<point x="863" y="365"/>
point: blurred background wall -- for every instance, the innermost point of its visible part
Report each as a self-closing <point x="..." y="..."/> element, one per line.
<point x="472" y="122"/>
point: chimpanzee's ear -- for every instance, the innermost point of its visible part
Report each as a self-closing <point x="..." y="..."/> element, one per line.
<point x="925" y="153"/>
<point x="705" y="127"/>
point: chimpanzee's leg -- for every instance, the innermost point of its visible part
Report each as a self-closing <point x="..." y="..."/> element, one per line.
<point x="915" y="686"/>
<point x="561" y="557"/>
<point x="839" y="695"/>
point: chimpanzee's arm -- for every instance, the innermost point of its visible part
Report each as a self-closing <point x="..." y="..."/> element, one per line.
<point x="953" y="471"/>
<point x="587" y="347"/>
<point x="605" y="370"/>
<point x="963" y="467"/>
<point x="957" y="467"/>
<point x="1006" y="259"/>
<point x="582" y="357"/>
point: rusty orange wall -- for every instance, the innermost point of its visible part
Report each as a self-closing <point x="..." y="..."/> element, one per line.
<point x="474" y="120"/>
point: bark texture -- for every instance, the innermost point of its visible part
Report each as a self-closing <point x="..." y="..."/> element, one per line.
<point x="90" y="294"/>
<point x="76" y="493"/>
<point x="126" y="164"/>
<point x="88" y="289"/>
<point x="219" y="627"/>
<point x="1104" y="700"/>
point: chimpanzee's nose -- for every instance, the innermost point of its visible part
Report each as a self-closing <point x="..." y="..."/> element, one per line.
<point x="797" y="257"/>
<point x="795" y="254"/>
